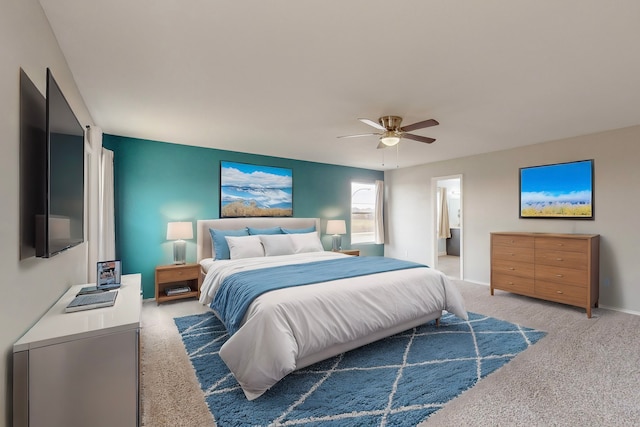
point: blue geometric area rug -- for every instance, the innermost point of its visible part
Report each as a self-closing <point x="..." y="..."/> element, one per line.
<point x="397" y="381"/>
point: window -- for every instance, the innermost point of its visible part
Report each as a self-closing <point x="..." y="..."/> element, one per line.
<point x="363" y="208"/>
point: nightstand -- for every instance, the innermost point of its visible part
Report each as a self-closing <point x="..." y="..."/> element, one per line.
<point x="174" y="276"/>
<point x="354" y="252"/>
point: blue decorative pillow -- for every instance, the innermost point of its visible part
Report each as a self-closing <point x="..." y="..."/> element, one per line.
<point x="299" y="230"/>
<point x="220" y="246"/>
<point x="273" y="230"/>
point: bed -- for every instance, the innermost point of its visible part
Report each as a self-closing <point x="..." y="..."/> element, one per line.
<point x="287" y="328"/>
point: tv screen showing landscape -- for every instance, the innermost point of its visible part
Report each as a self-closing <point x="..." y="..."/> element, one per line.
<point x="562" y="190"/>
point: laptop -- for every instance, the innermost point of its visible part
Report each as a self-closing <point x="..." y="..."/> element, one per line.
<point x="90" y="301"/>
<point x="108" y="275"/>
<point x="107" y="278"/>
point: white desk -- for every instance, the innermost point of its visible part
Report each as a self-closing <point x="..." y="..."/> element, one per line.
<point x="81" y="368"/>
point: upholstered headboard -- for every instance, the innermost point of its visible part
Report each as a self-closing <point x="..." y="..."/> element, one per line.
<point x="203" y="238"/>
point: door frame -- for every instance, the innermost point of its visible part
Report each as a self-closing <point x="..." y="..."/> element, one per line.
<point x="434" y="222"/>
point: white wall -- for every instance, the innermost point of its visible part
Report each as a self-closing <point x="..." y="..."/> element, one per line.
<point x="28" y="287"/>
<point x="490" y="193"/>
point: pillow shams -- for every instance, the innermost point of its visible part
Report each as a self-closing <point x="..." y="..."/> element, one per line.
<point x="244" y="247"/>
<point x="306" y="242"/>
<point x="220" y="247"/>
<point x="277" y="244"/>
<point x="298" y="230"/>
<point x="255" y="231"/>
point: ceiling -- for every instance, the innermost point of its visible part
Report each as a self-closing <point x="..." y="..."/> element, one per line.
<point x="286" y="78"/>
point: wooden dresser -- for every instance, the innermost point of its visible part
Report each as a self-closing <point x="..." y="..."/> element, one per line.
<point x="556" y="267"/>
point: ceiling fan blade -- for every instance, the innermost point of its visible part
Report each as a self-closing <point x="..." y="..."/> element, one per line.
<point x="420" y="125"/>
<point x="372" y="123"/>
<point x="418" y="138"/>
<point x="359" y="135"/>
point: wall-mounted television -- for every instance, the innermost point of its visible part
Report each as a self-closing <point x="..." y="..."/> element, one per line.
<point x="61" y="225"/>
<point x="32" y="162"/>
<point x="561" y="190"/>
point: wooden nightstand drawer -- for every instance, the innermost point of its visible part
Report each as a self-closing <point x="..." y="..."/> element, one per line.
<point x="354" y="252"/>
<point x="177" y="274"/>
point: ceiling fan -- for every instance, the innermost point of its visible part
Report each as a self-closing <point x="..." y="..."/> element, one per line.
<point x="392" y="132"/>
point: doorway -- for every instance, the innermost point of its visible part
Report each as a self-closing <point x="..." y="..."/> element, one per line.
<point x="448" y="225"/>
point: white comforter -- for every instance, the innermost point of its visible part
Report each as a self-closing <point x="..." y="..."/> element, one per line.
<point x="284" y="326"/>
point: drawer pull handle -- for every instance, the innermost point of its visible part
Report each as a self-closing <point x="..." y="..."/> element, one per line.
<point x="511" y="268"/>
<point x="511" y="283"/>
<point x="559" y="259"/>
<point x="559" y="275"/>
<point x="560" y="244"/>
<point x="558" y="292"/>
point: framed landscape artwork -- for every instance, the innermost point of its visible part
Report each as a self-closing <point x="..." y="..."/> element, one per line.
<point x="255" y="191"/>
<point x="561" y="190"/>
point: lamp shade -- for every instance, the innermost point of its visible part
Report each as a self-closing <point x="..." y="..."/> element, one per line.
<point x="336" y="226"/>
<point x="179" y="230"/>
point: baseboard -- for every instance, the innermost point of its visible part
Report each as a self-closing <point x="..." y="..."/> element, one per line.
<point x="606" y="307"/>
<point x="621" y="310"/>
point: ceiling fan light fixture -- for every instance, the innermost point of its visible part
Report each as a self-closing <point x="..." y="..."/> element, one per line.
<point x="390" y="138"/>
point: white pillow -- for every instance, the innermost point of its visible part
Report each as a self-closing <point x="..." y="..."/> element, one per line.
<point x="244" y="247"/>
<point x="277" y="244"/>
<point x="306" y="242"/>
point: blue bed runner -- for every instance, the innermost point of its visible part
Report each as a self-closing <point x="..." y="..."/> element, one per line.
<point x="238" y="291"/>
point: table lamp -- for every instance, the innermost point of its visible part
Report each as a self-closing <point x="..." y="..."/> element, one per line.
<point x="178" y="231"/>
<point x="336" y="227"/>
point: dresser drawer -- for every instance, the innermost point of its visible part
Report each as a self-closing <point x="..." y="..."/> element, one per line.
<point x="513" y="268"/>
<point x="512" y="241"/>
<point x="177" y="275"/>
<point x="516" y="254"/>
<point x="567" y="276"/>
<point x="575" y="260"/>
<point x="560" y="244"/>
<point x="567" y="294"/>
<point x="515" y="284"/>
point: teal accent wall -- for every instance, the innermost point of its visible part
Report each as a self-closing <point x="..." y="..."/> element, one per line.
<point x="159" y="182"/>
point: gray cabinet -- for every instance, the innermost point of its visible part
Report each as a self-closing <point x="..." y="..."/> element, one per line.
<point x="453" y="243"/>
<point x="81" y="368"/>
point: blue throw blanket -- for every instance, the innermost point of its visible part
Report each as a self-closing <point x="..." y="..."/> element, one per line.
<point x="238" y="291"/>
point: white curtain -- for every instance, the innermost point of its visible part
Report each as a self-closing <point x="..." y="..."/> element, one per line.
<point x="106" y="214"/>
<point x="444" y="232"/>
<point x="379" y="218"/>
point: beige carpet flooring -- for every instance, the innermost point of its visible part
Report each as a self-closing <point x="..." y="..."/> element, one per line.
<point x="585" y="372"/>
<point x="449" y="265"/>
